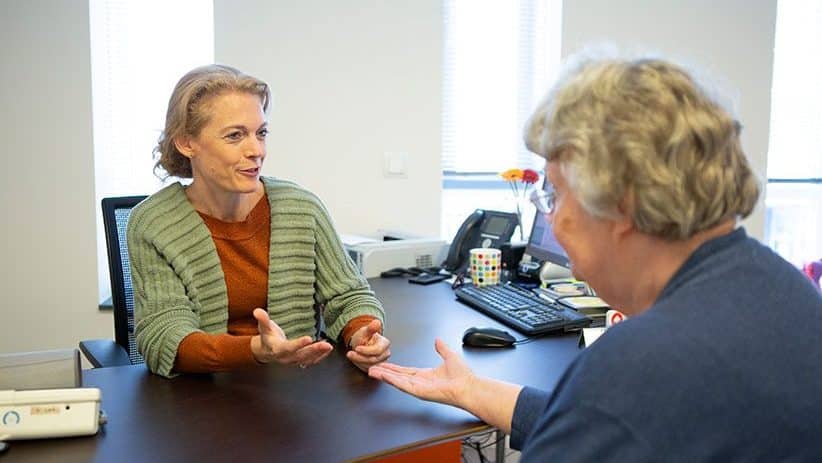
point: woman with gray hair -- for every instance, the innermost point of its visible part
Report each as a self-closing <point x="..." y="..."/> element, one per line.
<point x="714" y="363"/>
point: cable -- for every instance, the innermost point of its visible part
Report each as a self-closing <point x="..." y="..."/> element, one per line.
<point x="480" y="437"/>
<point x="479" y="452"/>
<point x="522" y="341"/>
<point x="476" y="442"/>
<point x="459" y="280"/>
<point x="496" y="442"/>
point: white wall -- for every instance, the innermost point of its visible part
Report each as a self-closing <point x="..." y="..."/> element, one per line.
<point x="48" y="288"/>
<point x="730" y="40"/>
<point x="352" y="79"/>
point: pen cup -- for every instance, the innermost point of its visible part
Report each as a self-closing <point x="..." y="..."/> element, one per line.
<point x="485" y="266"/>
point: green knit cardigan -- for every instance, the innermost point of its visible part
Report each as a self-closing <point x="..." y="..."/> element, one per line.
<point x="179" y="286"/>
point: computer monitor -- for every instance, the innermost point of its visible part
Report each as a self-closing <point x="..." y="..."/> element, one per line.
<point x="544" y="247"/>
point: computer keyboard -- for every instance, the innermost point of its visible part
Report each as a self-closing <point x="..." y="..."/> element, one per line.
<point x="521" y="309"/>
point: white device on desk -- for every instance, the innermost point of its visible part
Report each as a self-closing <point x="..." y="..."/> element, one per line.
<point x="373" y="256"/>
<point x="41" y="396"/>
<point x="49" y="413"/>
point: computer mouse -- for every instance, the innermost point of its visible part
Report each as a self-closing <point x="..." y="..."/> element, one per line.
<point x="487" y="337"/>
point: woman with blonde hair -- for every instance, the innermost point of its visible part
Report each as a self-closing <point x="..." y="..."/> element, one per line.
<point x="236" y="269"/>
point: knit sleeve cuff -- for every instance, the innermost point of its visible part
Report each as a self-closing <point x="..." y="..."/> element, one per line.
<point x="353" y="325"/>
<point x="360" y="306"/>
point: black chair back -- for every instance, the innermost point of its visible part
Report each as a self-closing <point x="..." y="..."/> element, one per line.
<point x="116" y="212"/>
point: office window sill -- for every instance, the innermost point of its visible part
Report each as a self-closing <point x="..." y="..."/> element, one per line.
<point x="106" y="305"/>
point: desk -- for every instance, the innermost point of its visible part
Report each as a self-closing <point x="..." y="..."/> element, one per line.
<point x="328" y="413"/>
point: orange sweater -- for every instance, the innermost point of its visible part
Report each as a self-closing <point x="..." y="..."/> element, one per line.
<point x="243" y="251"/>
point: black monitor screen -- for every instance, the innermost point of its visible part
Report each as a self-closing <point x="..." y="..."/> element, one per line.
<point x="542" y="245"/>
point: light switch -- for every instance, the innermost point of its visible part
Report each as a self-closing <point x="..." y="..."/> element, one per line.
<point x="396" y="164"/>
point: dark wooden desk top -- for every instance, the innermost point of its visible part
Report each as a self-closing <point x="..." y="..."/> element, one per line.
<point x="328" y="413"/>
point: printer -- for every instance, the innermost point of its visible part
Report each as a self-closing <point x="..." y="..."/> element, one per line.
<point x="391" y="250"/>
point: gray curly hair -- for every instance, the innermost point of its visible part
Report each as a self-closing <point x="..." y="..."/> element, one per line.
<point x="644" y="127"/>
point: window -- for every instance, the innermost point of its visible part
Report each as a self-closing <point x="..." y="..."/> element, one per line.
<point x="138" y="52"/>
<point x="794" y="193"/>
<point x="499" y="60"/>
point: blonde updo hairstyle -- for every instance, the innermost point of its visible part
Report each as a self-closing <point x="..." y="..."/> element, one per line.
<point x="188" y="110"/>
<point x="645" y="127"/>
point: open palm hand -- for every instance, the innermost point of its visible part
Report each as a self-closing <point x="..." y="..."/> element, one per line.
<point x="444" y="383"/>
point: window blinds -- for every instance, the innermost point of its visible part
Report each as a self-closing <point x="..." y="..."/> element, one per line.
<point x="499" y="59"/>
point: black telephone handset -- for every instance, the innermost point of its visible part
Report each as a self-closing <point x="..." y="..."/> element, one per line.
<point x="481" y="229"/>
<point x="458" y="252"/>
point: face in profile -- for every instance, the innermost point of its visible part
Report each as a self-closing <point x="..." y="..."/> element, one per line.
<point x="227" y="155"/>
<point x="585" y="238"/>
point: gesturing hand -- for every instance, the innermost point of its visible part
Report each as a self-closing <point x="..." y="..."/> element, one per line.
<point x="368" y="346"/>
<point x="447" y="383"/>
<point x="271" y="345"/>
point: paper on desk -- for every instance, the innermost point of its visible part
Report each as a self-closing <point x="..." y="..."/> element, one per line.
<point x="353" y="240"/>
<point x="584" y="302"/>
<point x="589" y="335"/>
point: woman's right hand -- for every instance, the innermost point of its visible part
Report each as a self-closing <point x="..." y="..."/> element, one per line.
<point x="271" y="345"/>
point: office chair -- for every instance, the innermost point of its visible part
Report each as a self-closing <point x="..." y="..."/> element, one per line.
<point x="123" y="350"/>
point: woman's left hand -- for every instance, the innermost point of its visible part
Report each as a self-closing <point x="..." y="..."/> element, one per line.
<point x="368" y="346"/>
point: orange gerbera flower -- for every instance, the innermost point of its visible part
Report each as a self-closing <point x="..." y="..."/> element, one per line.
<point x="511" y="175"/>
<point x="514" y="177"/>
